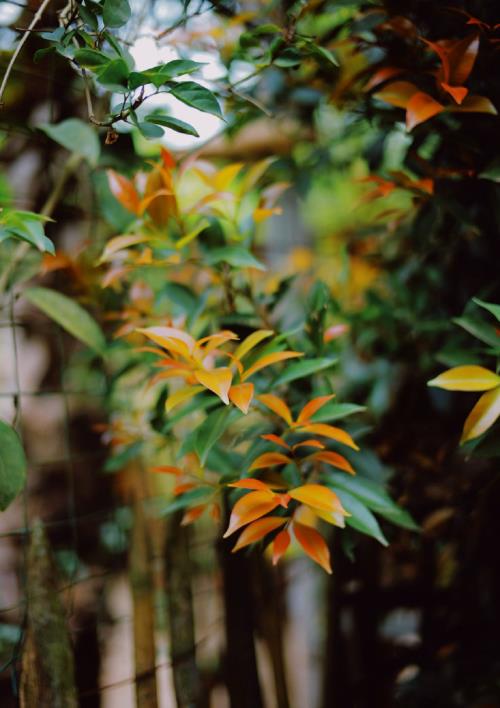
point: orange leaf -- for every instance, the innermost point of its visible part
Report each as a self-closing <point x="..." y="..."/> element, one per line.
<point x="334" y="459"/>
<point x="256" y="531"/>
<point x="484" y="414"/>
<point x="268" y="459"/>
<point x="277" y="406"/>
<point x="168" y="158"/>
<point x="160" y="194"/>
<point x="381" y="75"/>
<point x="268" y="360"/>
<point x="397" y="94"/>
<point x="167" y="469"/>
<point x="330" y="431"/>
<point x="251" y="483"/>
<point x="124" y="191"/>
<point x="458" y="93"/>
<point x="420" y="108"/>
<point x="185" y="487"/>
<point x="250" y="507"/>
<point x="280" y="545"/>
<point x="318" y="497"/>
<point x="215" y="512"/>
<point x="193" y="514"/>
<point x="218" y="381"/>
<point x="170" y="338"/>
<point x="309" y="443"/>
<point x="276" y="440"/>
<point x="310" y="408"/>
<point x="313" y="544"/>
<point x="241" y="395"/>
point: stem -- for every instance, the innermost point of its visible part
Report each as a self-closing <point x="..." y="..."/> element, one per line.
<point x="36" y="19"/>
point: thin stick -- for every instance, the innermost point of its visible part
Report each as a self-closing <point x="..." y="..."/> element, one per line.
<point x="36" y="19"/>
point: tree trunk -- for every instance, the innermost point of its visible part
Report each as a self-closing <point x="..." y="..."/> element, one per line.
<point x="48" y="675"/>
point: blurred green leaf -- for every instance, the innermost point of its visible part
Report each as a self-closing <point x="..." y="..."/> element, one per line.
<point x="12" y="465"/>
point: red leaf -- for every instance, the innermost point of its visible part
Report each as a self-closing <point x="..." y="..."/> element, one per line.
<point x="420" y="108"/>
<point x="313" y="544"/>
<point x="280" y="545"/>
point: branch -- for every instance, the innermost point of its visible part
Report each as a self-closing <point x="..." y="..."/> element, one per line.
<point x="36" y="19"/>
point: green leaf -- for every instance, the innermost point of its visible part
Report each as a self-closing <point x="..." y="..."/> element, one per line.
<point x="210" y="431"/>
<point x="485" y="332"/>
<point x="322" y="53"/>
<point x="162" y="73"/>
<point x="150" y="131"/>
<point x="374" y="497"/>
<point x="336" y="411"/>
<point x="301" y="369"/>
<point x="69" y="315"/>
<point x="116" y="13"/>
<point x="90" y="58"/>
<point x="361" y="517"/>
<point x="118" y="461"/>
<point x="114" y="74"/>
<point x="12" y="465"/>
<point x="193" y="497"/>
<point x="236" y="256"/>
<point x="173" y="123"/>
<point x="27" y="226"/>
<point x="491" y="307"/>
<point x="76" y="136"/>
<point x="196" y="96"/>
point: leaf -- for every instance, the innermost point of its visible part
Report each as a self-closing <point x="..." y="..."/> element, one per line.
<point x="181" y="396"/>
<point x="167" y="469"/>
<point x="170" y="338"/>
<point x="334" y="459"/>
<point x="466" y="378"/>
<point x="226" y="175"/>
<point x="252" y="341"/>
<point x="27" y="226"/>
<point x="193" y="514"/>
<point x="69" y="315"/>
<point x="217" y="380"/>
<point x="158" y="75"/>
<point x="116" y="13"/>
<point x="361" y="518"/>
<point x="276" y="440"/>
<point x="329" y="431"/>
<point x="268" y="360"/>
<point x="124" y="191"/>
<point x="318" y="497"/>
<point x="196" y="96"/>
<point x="268" y="459"/>
<point x="484" y="414"/>
<point x="210" y="431"/>
<point x="236" y="256"/>
<point x="193" y="497"/>
<point x="303" y="369"/>
<point x="420" y="108"/>
<point x="313" y="544"/>
<point x="485" y="332"/>
<point x="120" y="243"/>
<point x="277" y="406"/>
<point x="172" y="123"/>
<point x="12" y="465"/>
<point x="241" y="395"/>
<point x="310" y="408"/>
<point x="491" y="307"/>
<point x="374" y="497"/>
<point x="257" y="530"/>
<point x="280" y="545"/>
<point x="251" y="483"/>
<point x="249" y="508"/>
<point x="397" y="93"/>
<point x="336" y="411"/>
<point x="76" y="136"/>
<point x="90" y="58"/>
<point x="475" y="104"/>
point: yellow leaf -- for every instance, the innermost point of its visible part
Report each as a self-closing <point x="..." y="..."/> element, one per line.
<point x="466" y="378"/>
<point x="170" y="338"/>
<point x="119" y="243"/>
<point x="318" y="498"/>
<point x="241" y="395"/>
<point x="268" y="360"/>
<point x="256" y="531"/>
<point x="277" y="406"/>
<point x="330" y="431"/>
<point x="251" y="341"/>
<point x="217" y="380"/>
<point x="268" y="459"/>
<point x="313" y="544"/>
<point x="183" y="394"/>
<point x="191" y="235"/>
<point x="261" y="214"/>
<point x="310" y="408"/>
<point x="224" y="177"/>
<point x="250" y="507"/>
<point x="483" y="415"/>
<point x="334" y="459"/>
<point x="280" y="545"/>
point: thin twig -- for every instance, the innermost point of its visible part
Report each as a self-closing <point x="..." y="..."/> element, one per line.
<point x="36" y="19"/>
